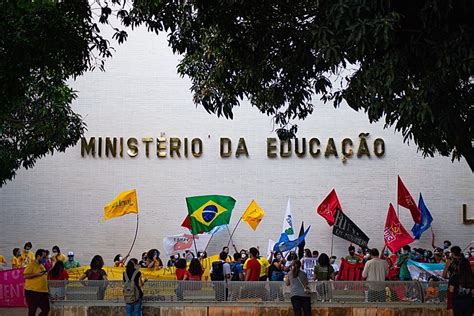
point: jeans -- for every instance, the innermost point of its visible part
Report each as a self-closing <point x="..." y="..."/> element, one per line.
<point x="301" y="302"/>
<point x="134" y="309"/>
<point x="37" y="300"/>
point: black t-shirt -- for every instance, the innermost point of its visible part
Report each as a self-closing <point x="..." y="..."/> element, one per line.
<point x="460" y="292"/>
<point x="137" y="280"/>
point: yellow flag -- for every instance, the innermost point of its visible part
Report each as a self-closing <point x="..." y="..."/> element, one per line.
<point x="124" y="203"/>
<point x="253" y="215"/>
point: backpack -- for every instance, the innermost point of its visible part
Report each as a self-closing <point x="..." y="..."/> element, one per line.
<point x="130" y="290"/>
<point x="217" y="271"/>
<point x="234" y="272"/>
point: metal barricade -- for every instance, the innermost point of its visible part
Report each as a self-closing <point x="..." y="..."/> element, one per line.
<point x="394" y="292"/>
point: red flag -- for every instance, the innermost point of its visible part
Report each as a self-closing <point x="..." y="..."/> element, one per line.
<point x="395" y="235"/>
<point x="187" y="223"/>
<point x="405" y="200"/>
<point x="328" y="207"/>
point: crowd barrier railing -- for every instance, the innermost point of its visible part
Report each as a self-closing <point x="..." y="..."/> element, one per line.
<point x="393" y="292"/>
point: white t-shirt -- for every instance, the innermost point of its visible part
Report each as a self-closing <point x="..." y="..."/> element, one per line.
<point x="225" y="269"/>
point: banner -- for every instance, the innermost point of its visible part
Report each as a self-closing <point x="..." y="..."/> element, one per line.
<point x="422" y="271"/>
<point x="345" y="228"/>
<point x="12" y="293"/>
<point x="395" y="235"/>
<point x="349" y="271"/>
<point x="179" y="243"/>
<point x="405" y="199"/>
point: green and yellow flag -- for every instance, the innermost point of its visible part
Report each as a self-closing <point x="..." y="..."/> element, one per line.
<point x="209" y="211"/>
<point x="253" y="215"/>
<point x="124" y="203"/>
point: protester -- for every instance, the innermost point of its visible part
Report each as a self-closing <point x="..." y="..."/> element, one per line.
<point x="36" y="284"/>
<point x="27" y="255"/>
<point x="226" y="250"/>
<point x="133" y="278"/>
<point x="16" y="259"/>
<point x="142" y="262"/>
<point x="402" y="262"/>
<point x="220" y="271"/>
<point x="188" y="255"/>
<point x="58" y="272"/>
<point x="460" y="289"/>
<point x="236" y="269"/>
<point x="153" y="259"/>
<point x="289" y="260"/>
<point x="172" y="260"/>
<point x="119" y="261"/>
<point x="244" y="255"/>
<point x="275" y="271"/>
<point x="375" y="270"/>
<point x="323" y="271"/>
<point x="452" y="264"/>
<point x="70" y="263"/>
<point x="57" y="288"/>
<point x="180" y="272"/>
<point x="252" y="266"/>
<point x="315" y="254"/>
<point x="3" y="262"/>
<point x="48" y="264"/>
<point x="195" y="270"/>
<point x="95" y="272"/>
<point x="57" y="255"/>
<point x="298" y="281"/>
<point x="352" y="258"/>
<point x="471" y="258"/>
<point x="334" y="265"/>
<point x="264" y="265"/>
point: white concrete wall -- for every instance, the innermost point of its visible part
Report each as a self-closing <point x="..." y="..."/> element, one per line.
<point x="60" y="200"/>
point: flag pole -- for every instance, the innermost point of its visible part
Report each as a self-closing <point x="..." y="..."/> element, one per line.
<point x="134" y="239"/>
<point x="332" y="243"/>
<point x="233" y="231"/>
<point x="195" y="247"/>
<point x="209" y="241"/>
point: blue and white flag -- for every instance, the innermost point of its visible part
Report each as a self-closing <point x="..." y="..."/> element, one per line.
<point x="285" y="244"/>
<point x="422" y="271"/>
<point x="426" y="219"/>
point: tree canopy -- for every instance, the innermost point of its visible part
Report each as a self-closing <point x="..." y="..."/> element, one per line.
<point x="412" y="64"/>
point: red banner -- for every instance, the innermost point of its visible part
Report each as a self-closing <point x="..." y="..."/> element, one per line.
<point x="11" y="288"/>
<point x="329" y="206"/>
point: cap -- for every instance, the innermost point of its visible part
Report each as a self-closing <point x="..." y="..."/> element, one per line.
<point x="70" y="253"/>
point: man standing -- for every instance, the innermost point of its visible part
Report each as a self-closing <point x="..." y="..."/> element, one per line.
<point x="71" y="263"/>
<point x="36" y="285"/>
<point x="375" y="270"/>
<point x="402" y="262"/>
<point x="352" y="258"/>
<point x="252" y="266"/>
<point x="220" y="271"/>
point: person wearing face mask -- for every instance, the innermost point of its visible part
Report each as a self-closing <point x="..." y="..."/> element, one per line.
<point x="16" y="259"/>
<point x="402" y="262"/>
<point x="352" y="258"/>
<point x="36" y="285"/>
<point x="27" y="255"/>
<point x="70" y="262"/>
<point x="48" y="265"/>
<point x="142" y="262"/>
<point x="57" y="255"/>
<point x="119" y="261"/>
<point x="275" y="272"/>
<point x="334" y="265"/>
<point x="244" y="255"/>
<point x="452" y="263"/>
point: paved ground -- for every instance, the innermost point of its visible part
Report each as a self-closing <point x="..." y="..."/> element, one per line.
<point x="13" y="311"/>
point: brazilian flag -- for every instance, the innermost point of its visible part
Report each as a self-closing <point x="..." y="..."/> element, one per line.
<point x="209" y="211"/>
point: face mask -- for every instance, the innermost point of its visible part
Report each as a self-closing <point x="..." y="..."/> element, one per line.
<point x="472" y="254"/>
<point x="43" y="261"/>
<point x="54" y="253"/>
<point x="386" y="253"/>
<point x="27" y="250"/>
<point x="120" y="258"/>
<point x="278" y="257"/>
<point x="352" y="253"/>
<point x="332" y="261"/>
<point x="18" y="255"/>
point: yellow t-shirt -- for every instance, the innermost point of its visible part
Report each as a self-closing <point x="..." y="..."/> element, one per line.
<point x="26" y="258"/>
<point x="57" y="257"/>
<point x="264" y="265"/>
<point x="2" y="260"/>
<point x="17" y="262"/>
<point x="37" y="284"/>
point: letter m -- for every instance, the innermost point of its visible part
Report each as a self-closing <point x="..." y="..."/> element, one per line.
<point x="87" y="148"/>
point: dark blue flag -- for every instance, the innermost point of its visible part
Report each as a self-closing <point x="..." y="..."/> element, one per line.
<point x="426" y="219"/>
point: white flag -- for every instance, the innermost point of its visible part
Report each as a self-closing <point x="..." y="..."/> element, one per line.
<point x="180" y="243"/>
<point x="288" y="227"/>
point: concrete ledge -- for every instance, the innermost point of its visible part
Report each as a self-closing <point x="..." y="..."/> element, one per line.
<point x="201" y="309"/>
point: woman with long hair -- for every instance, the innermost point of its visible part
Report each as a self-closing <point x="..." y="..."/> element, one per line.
<point x="324" y="270"/>
<point x="195" y="270"/>
<point x="96" y="273"/>
<point x="57" y="287"/>
<point x="460" y="288"/>
<point x="133" y="274"/>
<point x="298" y="282"/>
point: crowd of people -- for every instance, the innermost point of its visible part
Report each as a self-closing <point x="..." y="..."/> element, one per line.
<point x="250" y="265"/>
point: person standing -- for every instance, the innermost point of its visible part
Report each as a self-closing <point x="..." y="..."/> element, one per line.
<point x="16" y="259"/>
<point x="70" y="263"/>
<point x="460" y="288"/>
<point x="452" y="264"/>
<point x="264" y="265"/>
<point x="375" y="270"/>
<point x="134" y="276"/>
<point x="252" y="266"/>
<point x="57" y="288"/>
<point x="36" y="285"/>
<point x="3" y="262"/>
<point x="96" y="273"/>
<point x="220" y="272"/>
<point x="298" y="281"/>
<point x="402" y="262"/>
<point x="27" y="255"/>
<point x="352" y="258"/>
<point x="57" y="256"/>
